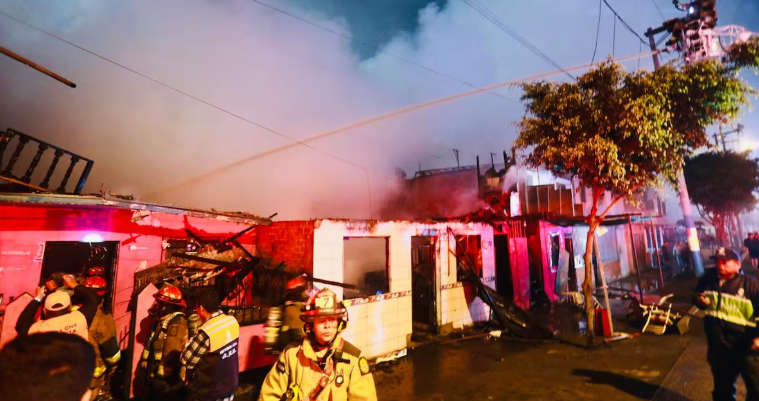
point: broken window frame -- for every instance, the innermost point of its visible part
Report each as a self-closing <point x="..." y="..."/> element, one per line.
<point x="368" y="292"/>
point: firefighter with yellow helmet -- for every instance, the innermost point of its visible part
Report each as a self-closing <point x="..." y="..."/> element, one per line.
<point x="323" y="366"/>
<point x="102" y="336"/>
<point x="160" y="362"/>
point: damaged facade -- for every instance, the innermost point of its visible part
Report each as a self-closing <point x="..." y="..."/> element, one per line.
<point x="551" y="211"/>
<point x="405" y="271"/>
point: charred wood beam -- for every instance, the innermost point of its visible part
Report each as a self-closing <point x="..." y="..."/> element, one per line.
<point x="262" y="270"/>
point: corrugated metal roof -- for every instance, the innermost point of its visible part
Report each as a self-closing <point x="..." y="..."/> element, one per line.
<point x="130" y="204"/>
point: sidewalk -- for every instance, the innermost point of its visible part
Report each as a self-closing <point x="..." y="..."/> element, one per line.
<point x="690" y="378"/>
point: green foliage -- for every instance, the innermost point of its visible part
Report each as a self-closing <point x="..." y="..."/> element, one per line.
<point x="746" y="54"/>
<point x="722" y="182"/>
<point x="622" y="131"/>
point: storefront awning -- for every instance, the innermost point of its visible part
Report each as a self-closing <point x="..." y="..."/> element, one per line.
<point x="614" y="220"/>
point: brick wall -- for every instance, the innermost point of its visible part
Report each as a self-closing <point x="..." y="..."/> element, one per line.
<point x="291" y="242"/>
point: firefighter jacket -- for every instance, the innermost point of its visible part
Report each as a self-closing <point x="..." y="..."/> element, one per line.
<point x="212" y="360"/>
<point x="299" y="376"/>
<point x="102" y="336"/>
<point x="164" y="347"/>
<point x="74" y="321"/>
<point x="730" y="318"/>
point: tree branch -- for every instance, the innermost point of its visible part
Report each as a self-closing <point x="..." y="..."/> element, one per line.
<point x="615" y="200"/>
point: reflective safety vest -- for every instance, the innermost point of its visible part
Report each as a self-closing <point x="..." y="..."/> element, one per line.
<point x="216" y="374"/>
<point x="72" y="323"/>
<point x="735" y="309"/>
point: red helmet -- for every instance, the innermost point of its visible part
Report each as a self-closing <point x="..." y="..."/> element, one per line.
<point x="96" y="271"/>
<point x="323" y="303"/>
<point x="98" y="283"/>
<point x="296" y="284"/>
<point x="170" y="295"/>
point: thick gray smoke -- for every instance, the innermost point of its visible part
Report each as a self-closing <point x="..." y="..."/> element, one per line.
<point x="251" y="62"/>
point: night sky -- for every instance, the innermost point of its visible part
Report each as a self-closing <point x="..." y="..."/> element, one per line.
<point x="220" y="70"/>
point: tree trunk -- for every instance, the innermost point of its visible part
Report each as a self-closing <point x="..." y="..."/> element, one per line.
<point x="587" y="286"/>
<point x="720" y="228"/>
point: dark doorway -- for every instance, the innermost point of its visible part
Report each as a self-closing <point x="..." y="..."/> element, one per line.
<point x="569" y="246"/>
<point x="503" y="279"/>
<point x="74" y="257"/>
<point x="423" y="294"/>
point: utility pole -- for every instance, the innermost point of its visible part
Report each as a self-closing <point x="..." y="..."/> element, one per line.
<point x="690" y="226"/>
<point x="722" y="138"/>
<point x="456" y="153"/>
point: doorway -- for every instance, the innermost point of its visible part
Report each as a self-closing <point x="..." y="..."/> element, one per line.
<point x="423" y="284"/>
<point x="569" y="246"/>
<point x="504" y="283"/>
<point x="74" y="257"/>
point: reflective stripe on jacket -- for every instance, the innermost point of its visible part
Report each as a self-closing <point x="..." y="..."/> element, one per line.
<point x="216" y="375"/>
<point x="298" y="370"/>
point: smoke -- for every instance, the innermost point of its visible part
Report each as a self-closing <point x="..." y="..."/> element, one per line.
<point x="245" y="61"/>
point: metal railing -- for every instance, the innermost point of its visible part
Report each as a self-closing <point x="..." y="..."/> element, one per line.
<point x="21" y="141"/>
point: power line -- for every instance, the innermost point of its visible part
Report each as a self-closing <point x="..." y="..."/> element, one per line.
<point x="373" y="47"/>
<point x="488" y="15"/>
<point x="625" y="23"/>
<point x="659" y="10"/>
<point x="614" y="39"/>
<point x="598" y="30"/>
<point x="393" y="114"/>
<point x="181" y="92"/>
<point x="663" y="38"/>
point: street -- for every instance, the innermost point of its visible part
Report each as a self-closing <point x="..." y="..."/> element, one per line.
<point x="663" y="368"/>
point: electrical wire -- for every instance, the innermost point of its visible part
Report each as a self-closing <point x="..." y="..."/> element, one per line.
<point x="396" y="113"/>
<point x="624" y="22"/>
<point x="488" y="15"/>
<point x="183" y="93"/>
<point x="374" y="47"/>
<point x="658" y="10"/>
<point x="598" y="30"/>
<point x="614" y="39"/>
<point x="663" y="38"/>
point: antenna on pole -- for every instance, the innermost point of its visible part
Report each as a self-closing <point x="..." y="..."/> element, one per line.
<point x="492" y="163"/>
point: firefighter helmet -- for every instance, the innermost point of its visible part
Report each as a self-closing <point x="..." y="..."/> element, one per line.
<point x="296" y="284"/>
<point x="324" y="303"/>
<point x="96" y="271"/>
<point x="98" y="283"/>
<point x="171" y="295"/>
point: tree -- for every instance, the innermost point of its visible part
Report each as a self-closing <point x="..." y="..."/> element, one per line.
<point x="721" y="184"/>
<point x="621" y="132"/>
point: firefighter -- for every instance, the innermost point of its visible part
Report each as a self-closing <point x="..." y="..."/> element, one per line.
<point x="292" y="326"/>
<point x="323" y="366"/>
<point x="160" y="359"/>
<point x="730" y="300"/>
<point x="284" y="325"/>
<point x="57" y="313"/>
<point x="210" y="358"/>
<point x="102" y="336"/>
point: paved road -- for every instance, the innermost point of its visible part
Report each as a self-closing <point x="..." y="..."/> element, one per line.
<point x="498" y="370"/>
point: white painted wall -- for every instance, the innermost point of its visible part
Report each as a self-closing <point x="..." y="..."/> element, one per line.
<point x="379" y="325"/>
